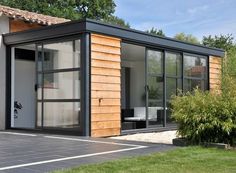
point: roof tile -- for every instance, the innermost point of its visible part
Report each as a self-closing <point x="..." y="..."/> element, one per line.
<point x="30" y="16"/>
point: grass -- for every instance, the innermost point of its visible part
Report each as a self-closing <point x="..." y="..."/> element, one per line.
<point x="182" y="160"/>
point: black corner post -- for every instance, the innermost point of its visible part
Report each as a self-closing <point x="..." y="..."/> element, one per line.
<point x="164" y="87"/>
<point x="85" y="84"/>
<point x="8" y="88"/>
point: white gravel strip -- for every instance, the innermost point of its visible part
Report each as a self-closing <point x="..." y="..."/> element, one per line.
<point x="157" y="137"/>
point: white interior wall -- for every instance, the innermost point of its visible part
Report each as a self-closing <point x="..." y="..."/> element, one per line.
<point x="4" y="28"/>
<point x="133" y="56"/>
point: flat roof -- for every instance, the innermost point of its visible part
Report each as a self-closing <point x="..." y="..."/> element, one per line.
<point x="92" y="26"/>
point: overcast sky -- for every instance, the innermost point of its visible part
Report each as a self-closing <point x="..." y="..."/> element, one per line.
<point x="197" y="17"/>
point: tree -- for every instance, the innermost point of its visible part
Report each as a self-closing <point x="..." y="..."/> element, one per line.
<point x="227" y="43"/>
<point x="187" y="38"/>
<point x="222" y="41"/>
<point x="156" y="32"/>
<point x="70" y="9"/>
<point x="117" y="21"/>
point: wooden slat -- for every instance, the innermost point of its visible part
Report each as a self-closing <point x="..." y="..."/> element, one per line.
<point x="105" y="87"/>
<point x="105" y="124"/>
<point x="105" y="109"/>
<point x="217" y="66"/>
<point x="106" y="41"/>
<point x="106" y="71"/>
<point x="105" y="64"/>
<point x="215" y="60"/>
<point x="106" y="117"/>
<point x="105" y="49"/>
<point x="106" y="94"/>
<point x="105" y="79"/>
<point x="105" y="56"/>
<point x="105" y="102"/>
<point x="105" y="36"/>
<point x="215" y="71"/>
<point x="214" y="76"/>
<point x="105" y="132"/>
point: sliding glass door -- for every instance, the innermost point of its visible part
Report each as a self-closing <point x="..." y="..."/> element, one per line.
<point x="164" y="79"/>
<point x="58" y="85"/>
<point x="155" y="87"/>
<point x="150" y="78"/>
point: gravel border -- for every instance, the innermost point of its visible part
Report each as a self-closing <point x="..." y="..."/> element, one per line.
<point x="165" y="137"/>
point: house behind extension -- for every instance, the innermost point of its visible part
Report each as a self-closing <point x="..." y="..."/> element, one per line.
<point x="94" y="79"/>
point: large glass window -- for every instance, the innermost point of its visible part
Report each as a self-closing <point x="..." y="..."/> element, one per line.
<point x="195" y="72"/>
<point x="155" y="84"/>
<point x="173" y="68"/>
<point x="133" y="93"/>
<point x="173" y="64"/>
<point x="59" y="84"/>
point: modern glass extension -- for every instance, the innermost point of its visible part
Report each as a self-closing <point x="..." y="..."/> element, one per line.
<point x="150" y="77"/>
<point x="95" y="79"/>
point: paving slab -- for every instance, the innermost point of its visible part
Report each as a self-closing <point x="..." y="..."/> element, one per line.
<point x="25" y="152"/>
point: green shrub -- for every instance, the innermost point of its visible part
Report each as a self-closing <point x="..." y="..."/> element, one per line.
<point x="207" y="116"/>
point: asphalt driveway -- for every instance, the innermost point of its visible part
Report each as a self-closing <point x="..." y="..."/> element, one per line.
<point x="25" y="152"/>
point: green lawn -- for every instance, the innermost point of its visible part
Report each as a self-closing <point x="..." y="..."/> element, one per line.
<point x="182" y="160"/>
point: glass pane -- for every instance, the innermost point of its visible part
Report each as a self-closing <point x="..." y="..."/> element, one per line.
<point x="155" y="100"/>
<point x="62" y="115"/>
<point x="172" y="86"/>
<point x="61" y="55"/>
<point x="155" y="62"/>
<point x="190" y="84"/>
<point x="195" y="66"/>
<point x="133" y="97"/>
<point x="39" y="114"/>
<point x="173" y="64"/>
<point x="39" y="83"/>
<point x="39" y="58"/>
<point x="63" y="85"/>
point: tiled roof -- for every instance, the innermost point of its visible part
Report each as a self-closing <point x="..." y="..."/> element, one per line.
<point x="30" y="16"/>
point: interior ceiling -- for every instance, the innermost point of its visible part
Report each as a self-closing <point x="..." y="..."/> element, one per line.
<point x="131" y="52"/>
<point x="27" y="47"/>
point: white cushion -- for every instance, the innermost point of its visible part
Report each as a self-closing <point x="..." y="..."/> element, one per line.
<point x="152" y="112"/>
<point x="139" y="112"/>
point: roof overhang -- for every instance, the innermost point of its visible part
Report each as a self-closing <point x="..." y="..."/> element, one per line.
<point x="91" y="26"/>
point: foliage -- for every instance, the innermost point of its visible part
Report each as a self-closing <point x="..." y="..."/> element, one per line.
<point x="70" y="9"/>
<point x="222" y="41"/>
<point x="229" y="63"/>
<point x="181" y="160"/>
<point x="155" y="31"/>
<point x="47" y="7"/>
<point x="116" y="21"/>
<point x="207" y="116"/>
<point x="187" y="38"/>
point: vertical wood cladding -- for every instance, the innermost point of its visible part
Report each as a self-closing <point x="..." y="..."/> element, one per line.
<point x="105" y="86"/>
<point x="19" y="25"/>
<point x="215" y="67"/>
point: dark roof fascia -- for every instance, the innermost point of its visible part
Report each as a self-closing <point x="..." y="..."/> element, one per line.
<point x="88" y="25"/>
<point x="45" y="33"/>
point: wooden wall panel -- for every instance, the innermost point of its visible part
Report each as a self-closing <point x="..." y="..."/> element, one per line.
<point x="19" y="25"/>
<point x="215" y="67"/>
<point x="105" y="86"/>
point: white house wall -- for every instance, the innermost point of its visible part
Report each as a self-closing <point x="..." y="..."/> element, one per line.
<point x="4" y="28"/>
